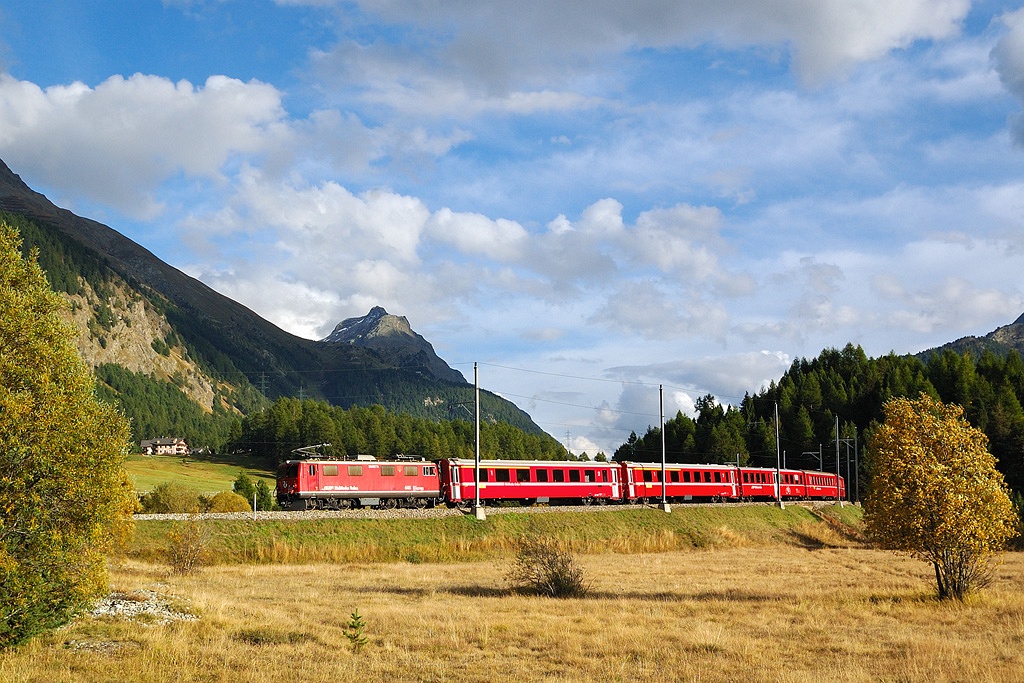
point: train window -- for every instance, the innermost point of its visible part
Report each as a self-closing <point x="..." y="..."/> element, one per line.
<point x="410" y="470"/>
<point x="673" y="476"/>
<point x="686" y="477"/>
<point x="746" y="477"/>
<point x="502" y="475"/>
<point x="559" y="475"/>
<point x="574" y="475"/>
<point x="542" y="475"/>
<point x="355" y="470"/>
<point x="718" y="477"/>
<point x="522" y="475"/>
<point x="330" y="470"/>
<point x="648" y="475"/>
<point x="428" y="471"/>
<point x="707" y="477"/>
<point x="588" y="475"/>
<point x="387" y="470"/>
<point x="312" y="470"/>
<point x="485" y="475"/>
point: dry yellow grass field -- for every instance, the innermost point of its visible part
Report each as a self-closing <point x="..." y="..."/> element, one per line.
<point x="779" y="614"/>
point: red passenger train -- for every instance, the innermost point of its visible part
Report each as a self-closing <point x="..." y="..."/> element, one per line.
<point x="340" y="484"/>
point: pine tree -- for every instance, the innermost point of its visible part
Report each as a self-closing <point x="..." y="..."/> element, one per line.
<point x="65" y="499"/>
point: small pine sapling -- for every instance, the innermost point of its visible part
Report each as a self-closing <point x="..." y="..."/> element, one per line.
<point x="354" y="632"/>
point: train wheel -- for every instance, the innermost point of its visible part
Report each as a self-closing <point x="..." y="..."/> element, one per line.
<point x="389" y="503"/>
<point x="588" y="501"/>
<point x="421" y="503"/>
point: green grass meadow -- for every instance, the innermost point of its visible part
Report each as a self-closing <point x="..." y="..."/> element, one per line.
<point x="206" y="474"/>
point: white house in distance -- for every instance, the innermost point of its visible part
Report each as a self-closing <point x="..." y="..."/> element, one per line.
<point x="165" y="446"/>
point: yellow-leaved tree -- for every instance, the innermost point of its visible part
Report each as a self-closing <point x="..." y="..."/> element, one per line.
<point x="936" y="493"/>
<point x="65" y="498"/>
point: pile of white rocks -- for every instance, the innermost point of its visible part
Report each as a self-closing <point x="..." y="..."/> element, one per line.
<point x="143" y="606"/>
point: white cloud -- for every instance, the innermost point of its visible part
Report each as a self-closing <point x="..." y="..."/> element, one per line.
<point x="476" y="235"/>
<point x="117" y="142"/>
<point x="466" y="58"/>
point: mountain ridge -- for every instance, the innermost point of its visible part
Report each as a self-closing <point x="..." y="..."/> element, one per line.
<point x="212" y="347"/>
<point x="999" y="341"/>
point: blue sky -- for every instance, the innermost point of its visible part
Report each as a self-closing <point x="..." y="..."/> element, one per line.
<point x="588" y="199"/>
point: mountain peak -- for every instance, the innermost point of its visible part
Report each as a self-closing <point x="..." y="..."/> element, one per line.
<point x="377" y="323"/>
<point x="393" y="339"/>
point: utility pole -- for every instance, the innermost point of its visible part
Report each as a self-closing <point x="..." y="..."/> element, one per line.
<point x="838" y="499"/>
<point x="478" y="509"/>
<point x="848" y="443"/>
<point x="778" y="458"/>
<point x="856" y="470"/>
<point x="661" y="401"/>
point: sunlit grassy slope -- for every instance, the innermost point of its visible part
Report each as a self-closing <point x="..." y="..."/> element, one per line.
<point x="461" y="538"/>
<point x="205" y="473"/>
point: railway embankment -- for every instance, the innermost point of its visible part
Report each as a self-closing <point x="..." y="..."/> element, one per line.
<point x="444" y="535"/>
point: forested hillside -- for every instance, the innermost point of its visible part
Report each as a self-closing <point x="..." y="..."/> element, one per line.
<point x="292" y="423"/>
<point x="849" y="386"/>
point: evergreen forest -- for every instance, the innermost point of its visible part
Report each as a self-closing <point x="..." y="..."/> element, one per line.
<point x="291" y="423"/>
<point x="847" y="388"/>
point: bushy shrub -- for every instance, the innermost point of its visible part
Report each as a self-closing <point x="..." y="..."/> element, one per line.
<point x="226" y="501"/>
<point x="171" y="497"/>
<point x="186" y="548"/>
<point x="544" y="567"/>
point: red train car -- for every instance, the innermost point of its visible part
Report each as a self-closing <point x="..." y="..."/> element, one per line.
<point x="824" y="486"/>
<point x="683" y="482"/>
<point x="529" y="481"/>
<point x="342" y="484"/>
<point x="757" y="483"/>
